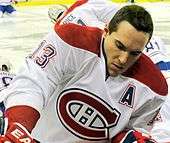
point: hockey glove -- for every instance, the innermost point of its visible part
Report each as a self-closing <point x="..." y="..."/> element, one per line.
<point x="131" y="136"/>
<point x="16" y="133"/>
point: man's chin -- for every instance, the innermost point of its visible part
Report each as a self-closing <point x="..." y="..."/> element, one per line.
<point x="113" y="73"/>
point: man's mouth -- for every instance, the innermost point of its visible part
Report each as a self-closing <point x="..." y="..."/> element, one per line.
<point x="117" y="66"/>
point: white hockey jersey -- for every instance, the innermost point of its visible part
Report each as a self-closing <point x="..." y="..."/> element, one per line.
<point x="65" y="80"/>
<point x="5" y="79"/>
<point x="98" y="14"/>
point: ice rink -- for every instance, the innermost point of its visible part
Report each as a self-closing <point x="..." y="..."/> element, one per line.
<point x="20" y="34"/>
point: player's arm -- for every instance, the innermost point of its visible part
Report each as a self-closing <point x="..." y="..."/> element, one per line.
<point x="104" y="10"/>
<point x="149" y="100"/>
<point x="95" y="13"/>
<point x="18" y="123"/>
<point x="156" y="50"/>
<point x="141" y="122"/>
<point x="31" y="90"/>
<point x="43" y="73"/>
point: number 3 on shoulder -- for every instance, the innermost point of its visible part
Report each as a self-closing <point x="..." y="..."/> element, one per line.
<point x="43" y="54"/>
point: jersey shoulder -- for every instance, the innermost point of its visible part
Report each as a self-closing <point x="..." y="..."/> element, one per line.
<point x="82" y="37"/>
<point x="145" y="71"/>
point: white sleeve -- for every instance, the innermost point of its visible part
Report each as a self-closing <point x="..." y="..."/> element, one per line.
<point x="156" y="50"/>
<point x="40" y="76"/>
<point x="103" y="9"/>
<point x="142" y="119"/>
<point x="96" y="13"/>
<point x="161" y="128"/>
<point x="45" y="73"/>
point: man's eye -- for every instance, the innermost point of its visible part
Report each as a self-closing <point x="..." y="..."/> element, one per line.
<point x="120" y="47"/>
<point x="135" y="53"/>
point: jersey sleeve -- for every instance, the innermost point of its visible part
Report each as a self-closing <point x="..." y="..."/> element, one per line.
<point x="41" y="75"/>
<point x="156" y="50"/>
<point x="46" y="73"/>
<point x="151" y="94"/>
<point x="90" y="13"/>
<point x="161" y="127"/>
<point x="50" y="67"/>
<point x="104" y="10"/>
<point x="143" y="118"/>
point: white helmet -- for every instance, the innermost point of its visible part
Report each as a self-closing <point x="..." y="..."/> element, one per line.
<point x="5" y="64"/>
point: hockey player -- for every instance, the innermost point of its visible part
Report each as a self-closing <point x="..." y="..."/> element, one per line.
<point x="86" y="85"/>
<point x="6" y="7"/>
<point x="5" y="75"/>
<point x="5" y="79"/>
<point x="98" y="13"/>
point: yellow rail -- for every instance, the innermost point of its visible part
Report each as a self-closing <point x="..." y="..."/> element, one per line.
<point x="52" y="2"/>
<point x="44" y="2"/>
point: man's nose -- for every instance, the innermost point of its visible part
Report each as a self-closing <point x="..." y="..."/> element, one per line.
<point x="123" y="57"/>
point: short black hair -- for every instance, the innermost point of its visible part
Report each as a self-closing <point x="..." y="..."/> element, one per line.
<point x="136" y="15"/>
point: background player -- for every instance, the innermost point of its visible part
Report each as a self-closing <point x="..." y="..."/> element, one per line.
<point x="5" y="69"/>
<point x="6" y="7"/>
<point x="5" y="78"/>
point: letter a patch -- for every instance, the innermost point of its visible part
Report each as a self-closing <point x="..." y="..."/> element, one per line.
<point x="128" y="96"/>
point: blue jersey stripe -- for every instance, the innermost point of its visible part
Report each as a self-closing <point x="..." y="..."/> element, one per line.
<point x="163" y="65"/>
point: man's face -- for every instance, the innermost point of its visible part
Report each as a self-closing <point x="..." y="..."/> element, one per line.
<point x="123" y="47"/>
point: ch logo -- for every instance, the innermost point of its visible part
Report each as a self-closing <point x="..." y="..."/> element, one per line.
<point x="86" y="115"/>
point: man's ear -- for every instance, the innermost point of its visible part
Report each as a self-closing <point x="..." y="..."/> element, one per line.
<point x="106" y="31"/>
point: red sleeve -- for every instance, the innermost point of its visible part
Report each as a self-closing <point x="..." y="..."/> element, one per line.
<point x="25" y="115"/>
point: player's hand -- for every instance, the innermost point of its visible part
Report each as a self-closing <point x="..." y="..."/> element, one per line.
<point x="16" y="133"/>
<point x="132" y="136"/>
